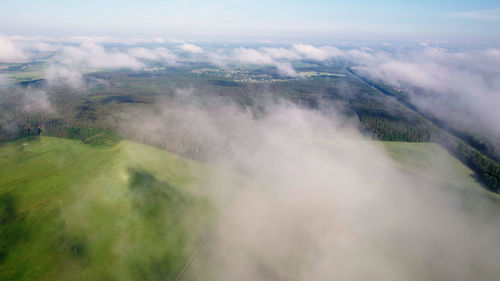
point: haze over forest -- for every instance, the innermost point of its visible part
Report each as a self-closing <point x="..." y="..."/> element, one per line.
<point x="249" y="140"/>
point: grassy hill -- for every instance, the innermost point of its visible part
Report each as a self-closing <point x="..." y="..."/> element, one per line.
<point x="429" y="165"/>
<point x="433" y="161"/>
<point x="435" y="164"/>
<point x="71" y="211"/>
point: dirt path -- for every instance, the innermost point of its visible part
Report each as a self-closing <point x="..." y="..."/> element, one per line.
<point x="191" y="259"/>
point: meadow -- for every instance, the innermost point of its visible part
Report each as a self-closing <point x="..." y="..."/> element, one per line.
<point x="73" y="211"/>
<point x="128" y="211"/>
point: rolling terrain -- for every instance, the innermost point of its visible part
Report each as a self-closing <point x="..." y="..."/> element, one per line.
<point x="38" y="107"/>
<point x="434" y="163"/>
<point x="73" y="211"/>
<point x="127" y="211"/>
<point x="440" y="179"/>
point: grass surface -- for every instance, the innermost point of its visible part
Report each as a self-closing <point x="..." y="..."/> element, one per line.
<point x="435" y="164"/>
<point x="127" y="211"/>
<point x="430" y="159"/>
<point x="432" y="169"/>
<point x="71" y="211"/>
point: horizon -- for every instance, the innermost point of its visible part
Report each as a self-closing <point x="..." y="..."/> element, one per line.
<point x="311" y="21"/>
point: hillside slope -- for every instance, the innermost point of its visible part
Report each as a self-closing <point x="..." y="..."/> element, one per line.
<point x="435" y="164"/>
<point x="403" y="229"/>
<point x="71" y="211"/>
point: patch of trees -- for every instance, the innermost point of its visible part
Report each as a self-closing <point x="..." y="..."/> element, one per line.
<point x="389" y="130"/>
<point x="487" y="170"/>
<point x="57" y="128"/>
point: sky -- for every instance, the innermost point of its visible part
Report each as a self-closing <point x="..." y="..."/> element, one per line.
<point x="331" y="19"/>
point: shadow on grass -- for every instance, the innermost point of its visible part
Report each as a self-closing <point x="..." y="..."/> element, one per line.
<point x="172" y="222"/>
<point x="13" y="228"/>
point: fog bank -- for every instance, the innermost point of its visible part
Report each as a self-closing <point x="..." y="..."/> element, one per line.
<point x="315" y="200"/>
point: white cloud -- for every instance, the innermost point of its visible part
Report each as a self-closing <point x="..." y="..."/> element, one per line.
<point x="304" y="197"/>
<point x="36" y="101"/>
<point x="466" y="83"/>
<point x="315" y="53"/>
<point x="459" y="87"/>
<point x="251" y="56"/>
<point x="56" y="73"/>
<point x="175" y="40"/>
<point x="154" y="54"/>
<point x="69" y="63"/>
<point x="286" y="69"/>
<point x="267" y="56"/>
<point x="92" y="55"/>
<point x="113" y="40"/>
<point x="9" y="51"/>
<point x="42" y="47"/>
<point x="191" y="48"/>
<point x="158" y="40"/>
<point x="281" y="53"/>
<point x="281" y="57"/>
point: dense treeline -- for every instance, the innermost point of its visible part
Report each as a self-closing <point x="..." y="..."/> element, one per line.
<point x="387" y="130"/>
<point x="93" y="136"/>
<point x="55" y="112"/>
<point x="487" y="170"/>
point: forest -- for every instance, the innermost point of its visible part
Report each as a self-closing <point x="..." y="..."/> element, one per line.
<point x="93" y="115"/>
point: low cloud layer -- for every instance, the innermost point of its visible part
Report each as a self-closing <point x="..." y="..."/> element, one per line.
<point x="279" y="57"/>
<point x="9" y="51"/>
<point x="36" y="100"/>
<point x="458" y="86"/>
<point x="461" y="87"/>
<point x="190" y="48"/>
<point x="314" y="200"/>
<point x="315" y="53"/>
<point x="94" y="56"/>
<point x="156" y="54"/>
<point x="268" y="56"/>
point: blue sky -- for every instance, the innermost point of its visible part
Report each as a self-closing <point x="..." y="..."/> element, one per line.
<point x="382" y="19"/>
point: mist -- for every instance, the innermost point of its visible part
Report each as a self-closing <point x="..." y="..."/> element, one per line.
<point x="459" y="87"/>
<point x="456" y="85"/>
<point x="304" y="196"/>
<point x="239" y="140"/>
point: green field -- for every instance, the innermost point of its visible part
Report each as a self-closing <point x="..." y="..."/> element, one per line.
<point x="72" y="211"/>
<point x="430" y="168"/>
<point x="432" y="162"/>
<point x="127" y="211"/>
